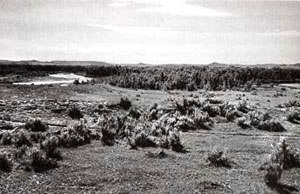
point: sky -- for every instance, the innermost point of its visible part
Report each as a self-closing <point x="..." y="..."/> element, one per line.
<point x="151" y="31"/>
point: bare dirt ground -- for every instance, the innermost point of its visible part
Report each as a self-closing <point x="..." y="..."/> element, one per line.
<point x="94" y="168"/>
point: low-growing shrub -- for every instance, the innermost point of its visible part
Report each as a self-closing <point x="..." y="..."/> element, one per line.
<point x="74" y="136"/>
<point x="5" y="163"/>
<point x="75" y="113"/>
<point x="40" y="161"/>
<point x="256" y="117"/>
<point x="218" y="159"/>
<point x="49" y="145"/>
<point x="108" y="136"/>
<point x="36" y="126"/>
<point x="7" y="138"/>
<point x="293" y="116"/>
<point x="22" y="138"/>
<point x="125" y="103"/>
<point x="282" y="157"/>
<point x="133" y="112"/>
<point x="242" y="122"/>
<point x="243" y="106"/>
<point x="271" y="125"/>
<point x="37" y="137"/>
<point x="174" y="141"/>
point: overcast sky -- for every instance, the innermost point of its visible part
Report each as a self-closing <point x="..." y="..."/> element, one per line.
<point x="151" y="31"/>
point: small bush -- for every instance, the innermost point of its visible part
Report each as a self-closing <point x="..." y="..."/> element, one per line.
<point x="37" y="137"/>
<point x="212" y="110"/>
<point x="40" y="161"/>
<point x="243" y="107"/>
<point x="218" y="159"/>
<point x="5" y="163"/>
<point x="271" y="125"/>
<point x="273" y="174"/>
<point x="134" y="113"/>
<point x="282" y="157"/>
<point x="256" y="117"/>
<point x="49" y="145"/>
<point x="74" y="136"/>
<point x="7" y="138"/>
<point x="125" y="103"/>
<point x="142" y="140"/>
<point x="242" y="122"/>
<point x="108" y="136"/>
<point x="36" y="126"/>
<point x="75" y="113"/>
<point x="174" y="141"/>
<point x="293" y="116"/>
<point x="21" y="139"/>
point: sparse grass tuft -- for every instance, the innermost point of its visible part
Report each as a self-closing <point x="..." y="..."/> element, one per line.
<point x="218" y="159"/>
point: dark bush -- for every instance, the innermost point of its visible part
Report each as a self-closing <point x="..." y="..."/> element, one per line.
<point x="75" y="113"/>
<point x="22" y="138"/>
<point x="5" y="163"/>
<point x="40" y="162"/>
<point x="7" y="138"/>
<point x="36" y="126"/>
<point x="134" y="113"/>
<point x="217" y="159"/>
<point x="49" y="145"/>
<point x="125" y="103"/>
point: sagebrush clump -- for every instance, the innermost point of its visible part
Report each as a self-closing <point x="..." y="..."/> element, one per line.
<point x="219" y="159"/>
<point x="75" y="113"/>
<point x="5" y="162"/>
<point x="283" y="157"/>
<point x="36" y="126"/>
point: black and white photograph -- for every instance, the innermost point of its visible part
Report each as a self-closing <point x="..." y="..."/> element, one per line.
<point x="150" y="96"/>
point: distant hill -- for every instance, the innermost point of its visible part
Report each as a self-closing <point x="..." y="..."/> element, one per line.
<point x="99" y="63"/>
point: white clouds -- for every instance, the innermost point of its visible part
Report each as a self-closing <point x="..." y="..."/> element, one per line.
<point x="133" y="30"/>
<point x="288" y="34"/>
<point x="173" y="7"/>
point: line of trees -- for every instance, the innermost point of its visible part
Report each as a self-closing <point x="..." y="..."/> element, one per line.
<point x="185" y="77"/>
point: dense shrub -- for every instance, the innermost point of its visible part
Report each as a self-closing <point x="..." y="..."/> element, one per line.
<point x="133" y="112"/>
<point x="271" y="125"/>
<point x="6" y="138"/>
<point x="75" y="113"/>
<point x="49" y="145"/>
<point x="125" y="103"/>
<point x="74" y="136"/>
<point x="174" y="141"/>
<point x="22" y="138"/>
<point x="293" y="116"/>
<point x="282" y="157"/>
<point x="40" y="162"/>
<point x="5" y="163"/>
<point x="36" y="126"/>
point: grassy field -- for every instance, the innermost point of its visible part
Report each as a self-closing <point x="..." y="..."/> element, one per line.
<point x="97" y="168"/>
